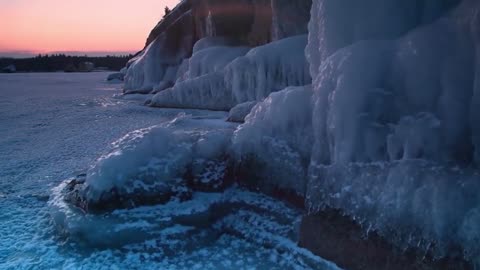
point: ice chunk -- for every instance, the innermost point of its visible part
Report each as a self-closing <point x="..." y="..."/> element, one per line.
<point x="115" y="77"/>
<point x="268" y="68"/>
<point x="277" y="137"/>
<point x="415" y="137"/>
<point x="239" y="112"/>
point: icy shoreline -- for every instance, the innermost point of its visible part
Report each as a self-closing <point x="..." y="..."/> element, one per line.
<point x="383" y="128"/>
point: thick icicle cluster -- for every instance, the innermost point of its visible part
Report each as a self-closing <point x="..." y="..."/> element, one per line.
<point x="268" y="68"/>
<point x="217" y="77"/>
<point x="394" y="120"/>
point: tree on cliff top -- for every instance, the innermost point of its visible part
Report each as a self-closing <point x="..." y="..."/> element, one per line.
<point x="167" y="11"/>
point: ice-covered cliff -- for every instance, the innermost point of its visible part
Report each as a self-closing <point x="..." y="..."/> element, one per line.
<point x="388" y="132"/>
<point x="395" y="119"/>
<point x="192" y="53"/>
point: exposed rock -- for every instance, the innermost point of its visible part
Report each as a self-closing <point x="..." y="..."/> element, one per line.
<point x="290" y="18"/>
<point x="209" y="175"/>
<point x="337" y="238"/>
<point x="75" y="190"/>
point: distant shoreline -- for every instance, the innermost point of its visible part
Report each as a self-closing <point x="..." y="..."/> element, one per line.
<point x="62" y="62"/>
<point x="58" y="71"/>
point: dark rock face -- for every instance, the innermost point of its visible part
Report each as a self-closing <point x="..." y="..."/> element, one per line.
<point x="290" y="18"/>
<point x="209" y="175"/>
<point x="255" y="22"/>
<point x="337" y="238"/>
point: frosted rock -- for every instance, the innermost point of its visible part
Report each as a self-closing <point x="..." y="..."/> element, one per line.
<point x="156" y="157"/>
<point x="267" y="69"/>
<point x="240" y="111"/>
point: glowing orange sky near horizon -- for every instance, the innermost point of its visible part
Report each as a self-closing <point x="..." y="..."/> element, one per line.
<point x="78" y="25"/>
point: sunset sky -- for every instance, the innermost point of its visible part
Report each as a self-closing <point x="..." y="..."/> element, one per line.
<point x="42" y="26"/>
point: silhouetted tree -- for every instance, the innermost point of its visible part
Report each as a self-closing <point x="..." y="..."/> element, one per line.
<point x="167" y="11"/>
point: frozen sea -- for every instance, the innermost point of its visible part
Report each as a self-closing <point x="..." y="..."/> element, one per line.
<point x="54" y="126"/>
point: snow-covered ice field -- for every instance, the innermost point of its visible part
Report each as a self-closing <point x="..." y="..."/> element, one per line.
<point x="55" y="126"/>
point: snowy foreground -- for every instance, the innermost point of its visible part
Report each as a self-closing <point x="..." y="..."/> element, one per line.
<point x="56" y="126"/>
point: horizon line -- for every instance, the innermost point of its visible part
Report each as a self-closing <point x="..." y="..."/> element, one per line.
<point x="30" y="54"/>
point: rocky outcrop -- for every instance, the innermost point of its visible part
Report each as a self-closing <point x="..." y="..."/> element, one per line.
<point x="256" y="22"/>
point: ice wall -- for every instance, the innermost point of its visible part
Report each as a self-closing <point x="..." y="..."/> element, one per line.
<point x="336" y="24"/>
<point x="427" y="73"/>
<point x="395" y="119"/>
